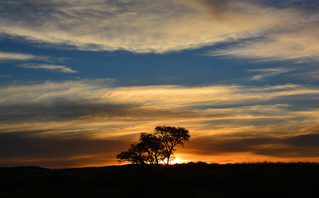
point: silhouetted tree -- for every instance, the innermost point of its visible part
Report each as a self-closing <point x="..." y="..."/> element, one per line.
<point x="156" y="147"/>
<point x="170" y="138"/>
<point x="135" y="154"/>
<point x="148" y="150"/>
<point x="153" y="147"/>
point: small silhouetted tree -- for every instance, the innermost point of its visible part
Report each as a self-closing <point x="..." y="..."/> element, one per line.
<point x="134" y="154"/>
<point x="153" y="147"/>
<point x="148" y="150"/>
<point x="156" y="147"/>
<point x="170" y="138"/>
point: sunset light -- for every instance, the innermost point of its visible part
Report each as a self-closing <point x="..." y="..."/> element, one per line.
<point x="81" y="80"/>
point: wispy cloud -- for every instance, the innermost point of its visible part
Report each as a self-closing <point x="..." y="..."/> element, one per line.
<point x="40" y="112"/>
<point x="58" y="68"/>
<point x="102" y="91"/>
<point x="269" y="72"/>
<point x="292" y="37"/>
<point x="289" y="33"/>
<point x="64" y="104"/>
<point x="300" y="44"/>
<point x="21" y="57"/>
<point x="8" y="56"/>
<point x="57" y="151"/>
<point x="302" y="147"/>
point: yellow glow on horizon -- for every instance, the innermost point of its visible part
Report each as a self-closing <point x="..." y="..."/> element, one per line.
<point x="179" y="160"/>
<point x="243" y="157"/>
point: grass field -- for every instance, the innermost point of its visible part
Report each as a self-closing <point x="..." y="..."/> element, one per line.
<point x="184" y="180"/>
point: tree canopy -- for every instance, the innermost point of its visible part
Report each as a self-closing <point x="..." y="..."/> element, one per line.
<point x="156" y="147"/>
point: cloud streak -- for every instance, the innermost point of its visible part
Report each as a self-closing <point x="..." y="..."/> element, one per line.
<point x="284" y="33"/>
<point x="104" y="92"/>
<point x="56" y="152"/>
<point x="269" y="72"/>
<point x="292" y="37"/>
<point x="8" y="56"/>
<point x="299" y="146"/>
<point x="58" y="68"/>
<point x="260" y="122"/>
<point x="224" y="115"/>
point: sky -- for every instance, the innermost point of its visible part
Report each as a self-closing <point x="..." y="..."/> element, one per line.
<point x="81" y="79"/>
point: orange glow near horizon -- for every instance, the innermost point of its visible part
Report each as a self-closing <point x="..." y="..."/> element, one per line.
<point x="106" y="121"/>
<point x="184" y="158"/>
<point x="80" y="81"/>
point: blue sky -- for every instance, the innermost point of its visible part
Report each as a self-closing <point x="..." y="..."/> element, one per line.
<point x="186" y="67"/>
<point x="242" y="76"/>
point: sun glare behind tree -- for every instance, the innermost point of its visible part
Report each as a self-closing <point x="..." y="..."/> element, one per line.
<point x="155" y="148"/>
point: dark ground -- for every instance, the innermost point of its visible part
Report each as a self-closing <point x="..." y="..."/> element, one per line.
<point x="191" y="180"/>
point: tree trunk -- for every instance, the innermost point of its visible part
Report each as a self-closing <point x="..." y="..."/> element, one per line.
<point x="168" y="157"/>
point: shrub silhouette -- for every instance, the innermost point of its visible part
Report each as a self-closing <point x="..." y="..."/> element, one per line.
<point x="157" y="147"/>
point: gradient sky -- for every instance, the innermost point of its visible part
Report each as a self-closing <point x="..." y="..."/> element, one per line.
<point x="80" y="79"/>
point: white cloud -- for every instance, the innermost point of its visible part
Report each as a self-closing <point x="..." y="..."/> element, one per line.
<point x="270" y="72"/>
<point x="168" y="96"/>
<point x="59" y="68"/>
<point x="8" y="56"/>
<point x="168" y="25"/>
<point x="300" y="44"/>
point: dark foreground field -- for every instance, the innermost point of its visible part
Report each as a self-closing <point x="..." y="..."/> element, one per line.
<point x="191" y="180"/>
